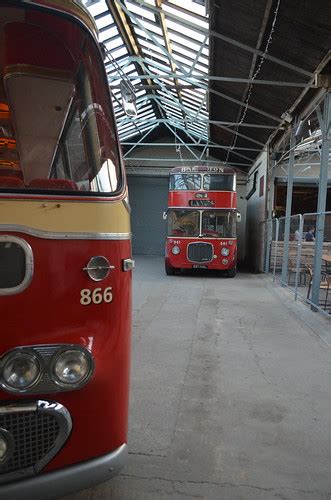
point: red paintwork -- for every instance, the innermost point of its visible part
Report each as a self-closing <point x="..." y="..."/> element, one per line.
<point x="220" y="199"/>
<point x="180" y="261"/>
<point x="49" y="311"/>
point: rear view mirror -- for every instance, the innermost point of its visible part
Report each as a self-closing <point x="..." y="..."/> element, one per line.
<point x="128" y="99"/>
<point x="238" y="217"/>
<point x="165" y="215"/>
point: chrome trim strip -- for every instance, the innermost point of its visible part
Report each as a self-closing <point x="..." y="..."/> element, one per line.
<point x="29" y="265"/>
<point x="18" y="408"/>
<point x="64" y="236"/>
<point x="68" y="480"/>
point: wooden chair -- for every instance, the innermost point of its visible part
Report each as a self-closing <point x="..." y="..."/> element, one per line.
<point x="325" y="284"/>
<point x="292" y="269"/>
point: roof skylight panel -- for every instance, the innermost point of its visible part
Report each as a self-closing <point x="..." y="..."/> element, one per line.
<point x="190" y="54"/>
<point x="97" y="8"/>
<point x="189" y="41"/>
<point x="153" y="28"/>
<point x="151" y="47"/>
<point x="186" y="16"/>
<point x="190" y="105"/>
<point x="140" y="11"/>
<point x="172" y="110"/>
<point x="114" y="43"/>
<point x="104" y="21"/>
<point x="190" y="62"/>
<point x="192" y="6"/>
<point x="194" y="34"/>
<point x="181" y="45"/>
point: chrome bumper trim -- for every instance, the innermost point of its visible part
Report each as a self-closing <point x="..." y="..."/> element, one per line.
<point x="68" y="480"/>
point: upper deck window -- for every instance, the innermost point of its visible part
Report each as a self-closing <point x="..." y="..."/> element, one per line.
<point x="214" y="182"/>
<point x="190" y="182"/>
<point x="57" y="128"/>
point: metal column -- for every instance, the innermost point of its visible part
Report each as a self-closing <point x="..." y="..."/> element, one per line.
<point x="269" y="218"/>
<point x="288" y="207"/>
<point x="322" y="193"/>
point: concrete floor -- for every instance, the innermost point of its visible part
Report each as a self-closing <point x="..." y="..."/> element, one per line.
<point x="230" y="394"/>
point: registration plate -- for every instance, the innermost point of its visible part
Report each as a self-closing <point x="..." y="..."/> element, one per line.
<point x="199" y="266"/>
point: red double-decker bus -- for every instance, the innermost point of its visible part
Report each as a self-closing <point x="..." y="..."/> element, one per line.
<point x="202" y="220"/>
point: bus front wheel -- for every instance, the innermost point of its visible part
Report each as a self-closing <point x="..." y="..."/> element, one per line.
<point x="169" y="270"/>
<point x="231" y="272"/>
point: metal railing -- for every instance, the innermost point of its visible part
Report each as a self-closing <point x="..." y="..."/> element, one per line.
<point x="293" y="261"/>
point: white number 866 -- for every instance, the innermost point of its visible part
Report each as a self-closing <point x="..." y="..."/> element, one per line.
<point x="96" y="296"/>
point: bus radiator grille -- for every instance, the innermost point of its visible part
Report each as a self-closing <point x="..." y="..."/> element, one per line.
<point x="34" y="432"/>
<point x="33" y="436"/>
<point x="200" y="252"/>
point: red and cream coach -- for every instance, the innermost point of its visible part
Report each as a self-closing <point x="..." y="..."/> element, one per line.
<point x="65" y="256"/>
<point x="202" y="219"/>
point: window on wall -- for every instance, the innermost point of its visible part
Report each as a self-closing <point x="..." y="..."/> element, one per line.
<point x="261" y="192"/>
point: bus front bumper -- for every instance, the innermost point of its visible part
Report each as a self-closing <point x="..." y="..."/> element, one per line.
<point x="68" y="480"/>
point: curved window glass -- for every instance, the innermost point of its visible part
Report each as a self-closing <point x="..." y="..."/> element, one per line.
<point x="57" y="127"/>
<point x="218" y="224"/>
<point x="185" y="182"/>
<point x="183" y="223"/>
<point x="16" y="264"/>
<point x="219" y="182"/>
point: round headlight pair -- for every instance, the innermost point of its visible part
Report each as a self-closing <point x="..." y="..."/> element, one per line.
<point x="175" y="250"/>
<point x="69" y="368"/>
<point x="225" y="252"/>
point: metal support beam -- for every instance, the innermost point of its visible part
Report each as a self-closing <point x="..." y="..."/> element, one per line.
<point x="325" y="124"/>
<point x="288" y="207"/>
<point x="193" y="144"/>
<point x="185" y="160"/>
<point x="273" y="83"/>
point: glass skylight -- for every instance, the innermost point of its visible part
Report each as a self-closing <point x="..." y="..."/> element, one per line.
<point x="159" y="50"/>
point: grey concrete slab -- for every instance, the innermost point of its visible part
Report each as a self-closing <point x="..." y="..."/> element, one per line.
<point x="230" y="391"/>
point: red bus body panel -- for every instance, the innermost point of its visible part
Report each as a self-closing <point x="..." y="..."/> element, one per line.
<point x="48" y="311"/>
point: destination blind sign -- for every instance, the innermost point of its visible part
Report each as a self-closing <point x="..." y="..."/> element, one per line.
<point x="209" y="170"/>
<point x="201" y="203"/>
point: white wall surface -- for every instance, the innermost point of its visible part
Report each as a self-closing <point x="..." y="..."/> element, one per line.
<point x="256" y="212"/>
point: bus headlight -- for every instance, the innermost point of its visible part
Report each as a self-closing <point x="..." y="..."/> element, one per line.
<point x="20" y="371"/>
<point x="3" y="448"/>
<point x="72" y="367"/>
<point x="225" y="252"/>
<point x="175" y="250"/>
